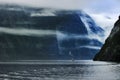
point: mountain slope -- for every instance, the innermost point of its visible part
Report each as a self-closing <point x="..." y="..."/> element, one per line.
<point x="40" y="33"/>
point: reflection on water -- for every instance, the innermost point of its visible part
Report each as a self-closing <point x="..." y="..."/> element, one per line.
<point x="59" y="70"/>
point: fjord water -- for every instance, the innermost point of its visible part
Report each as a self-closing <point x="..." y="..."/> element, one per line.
<point x="59" y="70"/>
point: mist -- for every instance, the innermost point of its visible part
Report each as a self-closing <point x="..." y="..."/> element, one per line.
<point x="61" y="4"/>
<point x="26" y="32"/>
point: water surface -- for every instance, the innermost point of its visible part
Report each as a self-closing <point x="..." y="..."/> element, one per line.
<point x="59" y="70"/>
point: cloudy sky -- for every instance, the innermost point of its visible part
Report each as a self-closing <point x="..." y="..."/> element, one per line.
<point x="106" y="8"/>
<point x="104" y="12"/>
<point x="94" y="5"/>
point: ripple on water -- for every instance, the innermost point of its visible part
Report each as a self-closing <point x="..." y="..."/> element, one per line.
<point x="84" y="71"/>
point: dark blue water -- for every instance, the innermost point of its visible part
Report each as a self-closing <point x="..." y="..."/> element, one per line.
<point x="59" y="70"/>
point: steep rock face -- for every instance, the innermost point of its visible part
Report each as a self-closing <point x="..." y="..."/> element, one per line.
<point x="111" y="49"/>
<point x="38" y="33"/>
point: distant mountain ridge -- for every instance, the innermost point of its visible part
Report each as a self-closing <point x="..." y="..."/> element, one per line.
<point x="38" y="33"/>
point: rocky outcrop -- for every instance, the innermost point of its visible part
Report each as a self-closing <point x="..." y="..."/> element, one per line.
<point x="111" y="49"/>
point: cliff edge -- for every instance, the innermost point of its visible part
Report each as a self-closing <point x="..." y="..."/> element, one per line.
<point x="111" y="49"/>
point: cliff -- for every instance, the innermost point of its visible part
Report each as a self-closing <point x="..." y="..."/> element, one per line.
<point x="28" y="33"/>
<point x="111" y="49"/>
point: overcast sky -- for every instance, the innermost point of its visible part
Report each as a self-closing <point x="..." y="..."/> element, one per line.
<point x="93" y="6"/>
<point x="65" y="4"/>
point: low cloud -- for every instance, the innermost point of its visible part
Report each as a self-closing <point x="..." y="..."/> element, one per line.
<point x="106" y="21"/>
<point x="90" y="47"/>
<point x="43" y="13"/>
<point x="27" y="32"/>
<point x="62" y="4"/>
<point x="104" y="12"/>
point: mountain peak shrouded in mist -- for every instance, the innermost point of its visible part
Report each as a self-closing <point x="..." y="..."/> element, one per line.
<point x="45" y="33"/>
<point x="111" y="49"/>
